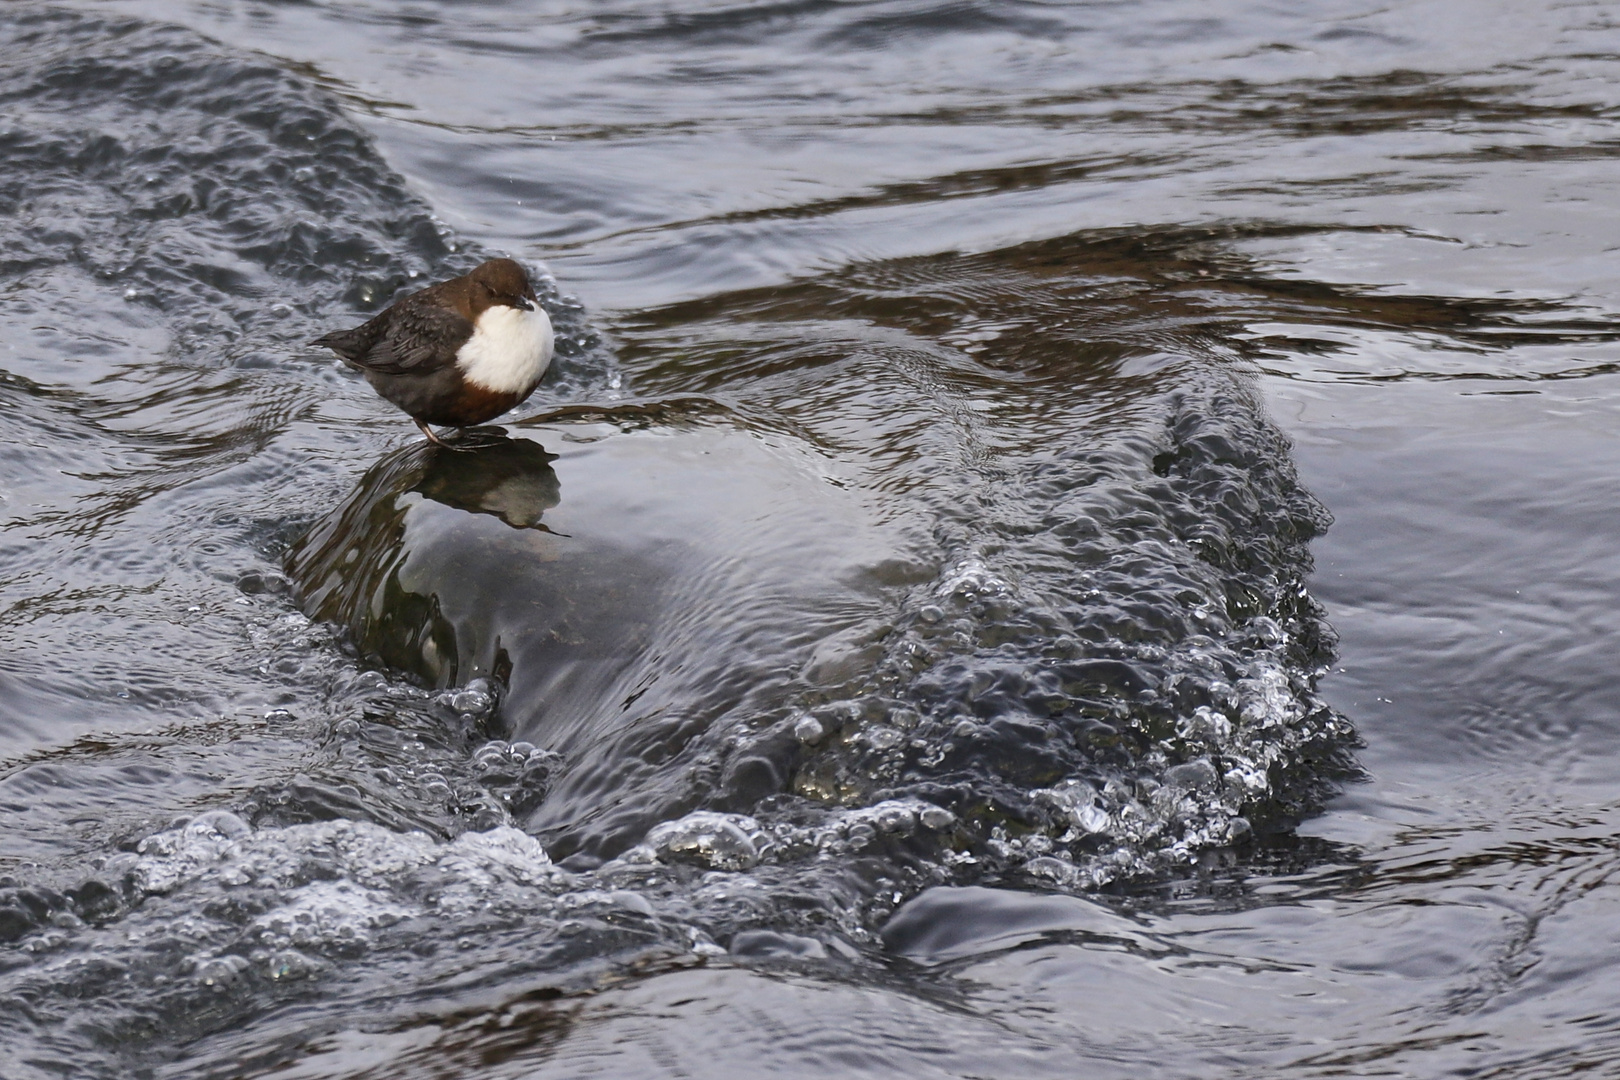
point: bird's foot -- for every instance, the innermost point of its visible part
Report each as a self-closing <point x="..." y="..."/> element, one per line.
<point x="432" y="438"/>
<point x="456" y="446"/>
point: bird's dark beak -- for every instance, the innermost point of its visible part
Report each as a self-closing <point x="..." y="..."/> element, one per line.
<point x="525" y="303"/>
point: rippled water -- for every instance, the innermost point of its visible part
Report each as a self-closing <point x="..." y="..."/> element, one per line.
<point x="1061" y="540"/>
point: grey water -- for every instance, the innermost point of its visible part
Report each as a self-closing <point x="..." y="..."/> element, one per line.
<point x="1062" y="539"/>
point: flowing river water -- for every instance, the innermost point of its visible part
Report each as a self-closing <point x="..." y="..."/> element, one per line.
<point x="1061" y="540"/>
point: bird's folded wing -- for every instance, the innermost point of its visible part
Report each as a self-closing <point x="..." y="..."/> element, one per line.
<point x="419" y="339"/>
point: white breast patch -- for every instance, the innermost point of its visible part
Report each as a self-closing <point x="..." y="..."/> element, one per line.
<point x="508" y="351"/>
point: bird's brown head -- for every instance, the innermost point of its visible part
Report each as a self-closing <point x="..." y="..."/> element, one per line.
<point x="501" y="281"/>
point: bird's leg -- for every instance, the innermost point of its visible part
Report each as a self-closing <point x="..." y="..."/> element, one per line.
<point x="432" y="438"/>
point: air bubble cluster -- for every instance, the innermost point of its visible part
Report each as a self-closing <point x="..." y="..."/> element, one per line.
<point x="1129" y="683"/>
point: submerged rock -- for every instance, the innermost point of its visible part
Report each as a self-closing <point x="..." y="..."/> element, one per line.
<point x="642" y="591"/>
<point x="1049" y="600"/>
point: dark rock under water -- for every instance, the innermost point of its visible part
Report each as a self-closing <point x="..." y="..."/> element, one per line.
<point x="1077" y="624"/>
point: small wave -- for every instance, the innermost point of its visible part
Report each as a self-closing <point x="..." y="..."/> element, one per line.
<point x="223" y="193"/>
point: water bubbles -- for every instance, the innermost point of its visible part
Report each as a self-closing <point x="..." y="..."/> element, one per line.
<point x="217" y="826"/>
<point x="370" y="680"/>
<point x="837" y="715"/>
<point x="707" y="838"/>
<point x="1205" y="724"/>
<point x="807" y="729"/>
<point x="640" y="855"/>
<point x="1160" y="674"/>
<point x="894" y="817"/>
<point x="476" y="699"/>
<point x="481" y="865"/>
<point x="287" y="965"/>
<point x="1251" y="781"/>
<point x="882" y="737"/>
<point x="332" y="915"/>
<point x="936" y="818"/>
<point x="1076" y="800"/>
<point x="220" y="970"/>
<point x="519" y="774"/>
<point x="365" y="879"/>
<point x="495" y="751"/>
<point x="1054" y="872"/>
<point x="972" y="579"/>
<point x="1196" y="775"/>
<point x="1090" y="818"/>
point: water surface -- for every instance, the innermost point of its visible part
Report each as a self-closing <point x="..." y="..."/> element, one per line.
<point x="1058" y="533"/>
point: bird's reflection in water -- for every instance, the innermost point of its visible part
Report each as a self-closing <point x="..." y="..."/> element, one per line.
<point x="485" y="472"/>
<point x="352" y="565"/>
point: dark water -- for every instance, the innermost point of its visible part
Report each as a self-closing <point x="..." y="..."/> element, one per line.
<point x="1061" y="540"/>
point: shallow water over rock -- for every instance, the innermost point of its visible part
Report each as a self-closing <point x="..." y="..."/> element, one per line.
<point x="1078" y="624"/>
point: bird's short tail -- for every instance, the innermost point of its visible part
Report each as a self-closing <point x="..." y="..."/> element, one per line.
<point x="349" y="344"/>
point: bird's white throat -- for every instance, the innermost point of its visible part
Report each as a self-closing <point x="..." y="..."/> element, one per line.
<point x="508" y="351"/>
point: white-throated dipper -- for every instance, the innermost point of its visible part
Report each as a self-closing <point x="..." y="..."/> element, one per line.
<point x="456" y="353"/>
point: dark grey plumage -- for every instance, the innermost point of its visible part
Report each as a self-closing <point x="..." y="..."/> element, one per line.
<point x="409" y="353"/>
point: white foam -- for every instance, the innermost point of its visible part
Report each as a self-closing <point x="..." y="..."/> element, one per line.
<point x="371" y="865"/>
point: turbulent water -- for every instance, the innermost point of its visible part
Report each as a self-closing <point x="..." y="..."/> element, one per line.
<point x="889" y="643"/>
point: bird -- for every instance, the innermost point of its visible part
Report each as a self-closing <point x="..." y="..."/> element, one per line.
<point x="456" y="353"/>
